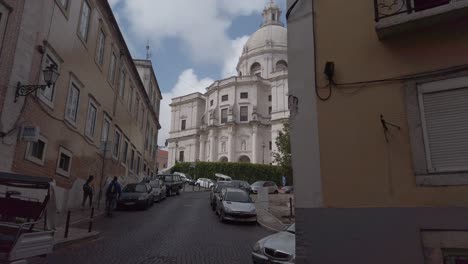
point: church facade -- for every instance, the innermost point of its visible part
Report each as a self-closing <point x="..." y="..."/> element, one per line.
<point x="237" y="119"/>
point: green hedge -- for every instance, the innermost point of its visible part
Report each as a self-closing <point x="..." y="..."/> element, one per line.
<point x="238" y="171"/>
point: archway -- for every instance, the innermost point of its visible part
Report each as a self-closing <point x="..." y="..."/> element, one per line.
<point x="281" y="65"/>
<point x="256" y="69"/>
<point x="223" y="159"/>
<point x="244" y="158"/>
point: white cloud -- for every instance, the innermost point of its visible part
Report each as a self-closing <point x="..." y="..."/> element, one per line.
<point x="230" y="63"/>
<point x="201" y="25"/>
<point x="187" y="83"/>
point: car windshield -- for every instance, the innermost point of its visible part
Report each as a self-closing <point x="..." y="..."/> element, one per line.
<point x="132" y="188"/>
<point x="238" y="184"/>
<point x="259" y="183"/>
<point x="220" y="186"/>
<point x="291" y="229"/>
<point x="168" y="178"/>
<point x="239" y="197"/>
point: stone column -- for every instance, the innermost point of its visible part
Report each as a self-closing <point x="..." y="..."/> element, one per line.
<point x="231" y="144"/>
<point x="202" y="157"/>
<point x="212" y="140"/>
<point x="255" y="143"/>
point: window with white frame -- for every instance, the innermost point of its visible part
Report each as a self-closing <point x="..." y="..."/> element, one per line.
<point x="125" y="152"/>
<point x="3" y="22"/>
<point x="443" y="107"/>
<point x="130" y="99"/>
<point x="143" y="112"/>
<point x="116" y="147"/>
<point x="137" y="110"/>
<point x="138" y="163"/>
<point x="36" y="151"/>
<point x="91" y="119"/>
<point x="83" y="28"/>
<point x="147" y="136"/>
<point x="73" y="101"/>
<point x="105" y="129"/>
<point x="132" y="160"/>
<point x="112" y="64"/>
<point x="101" y="44"/>
<point x="47" y="94"/>
<point x="122" y="82"/>
<point x="64" y="162"/>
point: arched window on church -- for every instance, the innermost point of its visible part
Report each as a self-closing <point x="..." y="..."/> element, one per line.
<point x="256" y="69"/>
<point x="281" y="66"/>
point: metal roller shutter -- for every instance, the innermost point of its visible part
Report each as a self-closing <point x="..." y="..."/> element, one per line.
<point x="446" y="120"/>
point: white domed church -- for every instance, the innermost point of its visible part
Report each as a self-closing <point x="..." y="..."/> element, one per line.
<point x="237" y="119"/>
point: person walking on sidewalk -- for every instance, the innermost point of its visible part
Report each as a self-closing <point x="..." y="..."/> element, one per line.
<point x="88" y="192"/>
<point x="112" y="193"/>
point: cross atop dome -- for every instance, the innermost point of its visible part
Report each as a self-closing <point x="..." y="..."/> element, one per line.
<point x="271" y="14"/>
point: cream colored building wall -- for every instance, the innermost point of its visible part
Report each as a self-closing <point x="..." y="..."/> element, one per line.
<point x="359" y="169"/>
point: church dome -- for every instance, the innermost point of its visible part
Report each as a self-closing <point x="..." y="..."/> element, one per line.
<point x="269" y="35"/>
<point x="266" y="50"/>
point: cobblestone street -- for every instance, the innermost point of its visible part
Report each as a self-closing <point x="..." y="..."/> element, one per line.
<point x="181" y="229"/>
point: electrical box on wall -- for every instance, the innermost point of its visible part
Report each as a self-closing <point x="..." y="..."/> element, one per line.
<point x="30" y="133"/>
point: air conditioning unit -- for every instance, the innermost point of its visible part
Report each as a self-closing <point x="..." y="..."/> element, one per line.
<point x="30" y="133"/>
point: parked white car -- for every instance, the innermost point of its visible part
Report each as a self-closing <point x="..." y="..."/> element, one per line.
<point x="204" y="182"/>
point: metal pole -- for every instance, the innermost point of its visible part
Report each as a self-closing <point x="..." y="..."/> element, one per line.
<point x="45" y="219"/>
<point x="67" y="224"/>
<point x="290" y="208"/>
<point x="91" y="220"/>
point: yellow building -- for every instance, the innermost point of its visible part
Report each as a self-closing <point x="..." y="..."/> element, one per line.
<point x="100" y="118"/>
<point x="380" y="134"/>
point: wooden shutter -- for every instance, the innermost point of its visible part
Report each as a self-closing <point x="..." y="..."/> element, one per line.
<point x="445" y="116"/>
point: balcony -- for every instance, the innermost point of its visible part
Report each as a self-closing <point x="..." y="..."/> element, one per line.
<point x="393" y="17"/>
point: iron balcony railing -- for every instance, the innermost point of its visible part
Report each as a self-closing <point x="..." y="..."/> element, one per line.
<point x="389" y="8"/>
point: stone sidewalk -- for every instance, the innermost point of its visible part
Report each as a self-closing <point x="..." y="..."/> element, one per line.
<point x="276" y="215"/>
<point x="78" y="217"/>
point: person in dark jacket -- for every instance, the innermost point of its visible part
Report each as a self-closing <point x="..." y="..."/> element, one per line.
<point x="113" y="191"/>
<point x="88" y="192"/>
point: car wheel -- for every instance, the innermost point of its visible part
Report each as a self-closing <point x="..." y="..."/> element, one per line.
<point x="178" y="192"/>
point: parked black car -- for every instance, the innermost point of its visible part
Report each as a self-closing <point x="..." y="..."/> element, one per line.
<point x="242" y="185"/>
<point x="173" y="183"/>
<point x="215" y="191"/>
<point x="136" y="195"/>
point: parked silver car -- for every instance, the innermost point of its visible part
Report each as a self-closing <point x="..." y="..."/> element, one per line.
<point x="272" y="187"/>
<point x="235" y="205"/>
<point x="277" y="248"/>
<point x="159" y="188"/>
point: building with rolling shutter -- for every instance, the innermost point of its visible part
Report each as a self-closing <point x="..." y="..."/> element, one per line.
<point x="380" y="134"/>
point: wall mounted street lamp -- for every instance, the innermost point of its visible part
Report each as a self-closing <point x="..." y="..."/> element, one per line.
<point x="50" y="77"/>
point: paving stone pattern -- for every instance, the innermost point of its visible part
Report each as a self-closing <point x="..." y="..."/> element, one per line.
<point x="181" y="229"/>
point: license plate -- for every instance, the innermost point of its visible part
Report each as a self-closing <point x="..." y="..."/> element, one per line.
<point x="129" y="203"/>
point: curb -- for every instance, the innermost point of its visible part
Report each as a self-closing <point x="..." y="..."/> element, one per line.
<point x="267" y="226"/>
<point x="82" y="238"/>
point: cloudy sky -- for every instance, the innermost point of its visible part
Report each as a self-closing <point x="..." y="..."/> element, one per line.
<point x="193" y="42"/>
